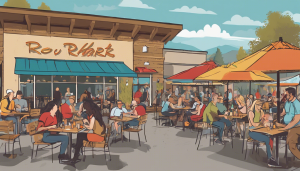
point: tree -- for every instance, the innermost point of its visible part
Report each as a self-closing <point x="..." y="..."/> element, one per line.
<point x="241" y="54"/>
<point x="44" y="7"/>
<point x="17" y="3"/>
<point x="276" y="25"/>
<point x="218" y="57"/>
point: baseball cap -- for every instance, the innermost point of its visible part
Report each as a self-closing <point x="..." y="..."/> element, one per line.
<point x="9" y="91"/>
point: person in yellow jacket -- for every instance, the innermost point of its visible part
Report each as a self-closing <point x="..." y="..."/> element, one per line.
<point x="8" y="108"/>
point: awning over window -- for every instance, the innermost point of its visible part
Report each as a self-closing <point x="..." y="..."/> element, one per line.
<point x="30" y="66"/>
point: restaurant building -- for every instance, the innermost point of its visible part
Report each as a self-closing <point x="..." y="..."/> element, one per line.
<point x="43" y="50"/>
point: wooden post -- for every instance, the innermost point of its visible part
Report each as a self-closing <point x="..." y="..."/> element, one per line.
<point x="227" y="96"/>
<point x="278" y="112"/>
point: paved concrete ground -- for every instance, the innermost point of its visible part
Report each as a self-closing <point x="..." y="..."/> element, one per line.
<point x="167" y="149"/>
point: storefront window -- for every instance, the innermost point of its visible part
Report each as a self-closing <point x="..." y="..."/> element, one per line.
<point x="43" y="79"/>
<point x="110" y="93"/>
<point x="42" y="94"/>
<point x="109" y="80"/>
<point x="94" y="89"/>
<point x="63" y="89"/>
<point x="64" y="79"/>
<point x="88" y="79"/>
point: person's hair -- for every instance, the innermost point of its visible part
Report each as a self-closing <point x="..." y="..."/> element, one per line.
<point x="214" y="96"/>
<point x="7" y="95"/>
<point x="119" y="101"/>
<point x="241" y="100"/>
<point x="94" y="109"/>
<point x="198" y="98"/>
<point x="83" y="96"/>
<point x="256" y="102"/>
<point x="49" y="107"/>
<point x="291" y="90"/>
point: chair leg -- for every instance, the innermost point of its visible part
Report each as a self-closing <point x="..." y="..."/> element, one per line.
<point x="199" y="139"/>
<point x="129" y="136"/>
<point x="52" y="153"/>
<point x="5" y="149"/>
<point x="246" y="151"/>
<point x="93" y="152"/>
<point x="286" y="157"/>
<point x="213" y="136"/>
<point x="32" y="150"/>
<point x="210" y="138"/>
<point x="232" y="139"/>
<point x="253" y="148"/>
<point x="197" y="136"/>
<point x="13" y="149"/>
<point x="104" y="154"/>
<point x="83" y="154"/>
<point x="109" y="152"/>
<point x="244" y="139"/>
<point x="37" y="147"/>
<point x="20" y="145"/>
<point x="145" y="132"/>
<point x="139" y="138"/>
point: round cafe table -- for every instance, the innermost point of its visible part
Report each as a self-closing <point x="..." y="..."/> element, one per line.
<point x="184" y="109"/>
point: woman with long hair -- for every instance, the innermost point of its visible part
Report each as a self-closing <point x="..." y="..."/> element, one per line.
<point x="49" y="119"/>
<point x="242" y="109"/>
<point x="95" y="123"/>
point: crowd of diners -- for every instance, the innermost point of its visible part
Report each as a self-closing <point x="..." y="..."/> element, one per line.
<point x="259" y="109"/>
<point x="55" y="113"/>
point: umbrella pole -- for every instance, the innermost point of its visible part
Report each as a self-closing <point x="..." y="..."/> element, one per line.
<point x="278" y="113"/>
<point x="227" y="96"/>
<point x="250" y="88"/>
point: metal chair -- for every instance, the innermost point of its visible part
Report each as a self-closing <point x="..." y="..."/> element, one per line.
<point x="33" y="114"/>
<point x="142" y="121"/>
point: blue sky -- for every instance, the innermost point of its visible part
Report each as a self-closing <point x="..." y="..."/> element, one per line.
<point x="207" y="24"/>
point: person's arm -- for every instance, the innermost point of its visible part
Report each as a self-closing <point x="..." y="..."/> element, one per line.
<point x="283" y="112"/>
<point x="91" y="125"/>
<point x="295" y="120"/>
<point x="251" y="118"/>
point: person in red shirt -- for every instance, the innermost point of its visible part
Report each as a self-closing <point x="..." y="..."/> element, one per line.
<point x="137" y="110"/>
<point x="137" y="96"/>
<point x="50" y="117"/>
<point x="257" y="95"/>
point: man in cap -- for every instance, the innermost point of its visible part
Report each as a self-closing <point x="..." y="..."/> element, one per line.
<point x="8" y="108"/>
<point x="20" y="104"/>
<point x="136" y="110"/>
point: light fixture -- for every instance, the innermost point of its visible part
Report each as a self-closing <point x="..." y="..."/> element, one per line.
<point x="146" y="63"/>
<point x="145" y="49"/>
<point x="126" y="82"/>
<point x="157" y="80"/>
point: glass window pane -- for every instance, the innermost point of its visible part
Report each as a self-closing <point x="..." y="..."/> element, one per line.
<point x="63" y="89"/>
<point x="141" y="80"/>
<point x="110" y="93"/>
<point x="27" y="89"/>
<point x="61" y="78"/>
<point x="43" y="94"/>
<point x="94" y="89"/>
<point x="88" y="79"/>
<point x="110" y="80"/>
<point x="26" y="78"/>
<point x="43" y="78"/>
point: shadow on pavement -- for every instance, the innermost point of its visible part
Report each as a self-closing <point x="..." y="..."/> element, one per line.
<point x="128" y="147"/>
<point x="20" y="157"/>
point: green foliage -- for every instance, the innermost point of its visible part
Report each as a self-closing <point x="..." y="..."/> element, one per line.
<point x="241" y="54"/>
<point x="125" y="92"/>
<point x="218" y="57"/>
<point x="159" y="86"/>
<point x="44" y="7"/>
<point x="276" y="25"/>
<point x="17" y="3"/>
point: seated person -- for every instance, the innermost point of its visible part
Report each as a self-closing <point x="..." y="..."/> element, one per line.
<point x="220" y="105"/>
<point x="117" y="111"/>
<point x="20" y="104"/>
<point x="68" y="107"/>
<point x="137" y="110"/>
<point x="256" y="116"/>
<point x="211" y="116"/>
<point x="168" y="110"/>
<point x="193" y="108"/>
<point x="8" y="108"/>
<point x="198" y="113"/>
<point x="241" y="109"/>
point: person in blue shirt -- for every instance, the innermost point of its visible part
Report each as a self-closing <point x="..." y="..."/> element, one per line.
<point x="291" y="120"/>
<point x="117" y="111"/>
<point x="168" y="110"/>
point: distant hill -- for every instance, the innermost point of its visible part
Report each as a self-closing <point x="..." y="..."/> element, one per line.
<point x="171" y="45"/>
<point x="230" y="56"/>
<point x="224" y="49"/>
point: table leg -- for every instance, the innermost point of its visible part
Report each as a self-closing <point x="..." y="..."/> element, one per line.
<point x="277" y="149"/>
<point x="18" y="125"/>
<point x="183" y="121"/>
<point x="122" y="131"/>
<point x="69" y="149"/>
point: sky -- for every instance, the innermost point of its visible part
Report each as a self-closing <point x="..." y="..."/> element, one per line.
<point x="206" y="24"/>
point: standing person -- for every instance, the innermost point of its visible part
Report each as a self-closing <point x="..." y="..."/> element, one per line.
<point x="50" y="117"/>
<point x="256" y="116"/>
<point x="137" y="96"/>
<point x="257" y="95"/>
<point x="67" y="94"/>
<point x="211" y="116"/>
<point x="230" y="95"/>
<point x="8" y="108"/>
<point x="21" y="104"/>
<point x="291" y="120"/>
<point x="201" y="94"/>
<point x="57" y="95"/>
<point x="95" y="123"/>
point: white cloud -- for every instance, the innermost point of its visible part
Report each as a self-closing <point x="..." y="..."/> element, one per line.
<point x="210" y="31"/>
<point x="92" y="8"/>
<point x="246" y="21"/>
<point x="134" y="4"/>
<point x="296" y="16"/>
<point x="194" y="10"/>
